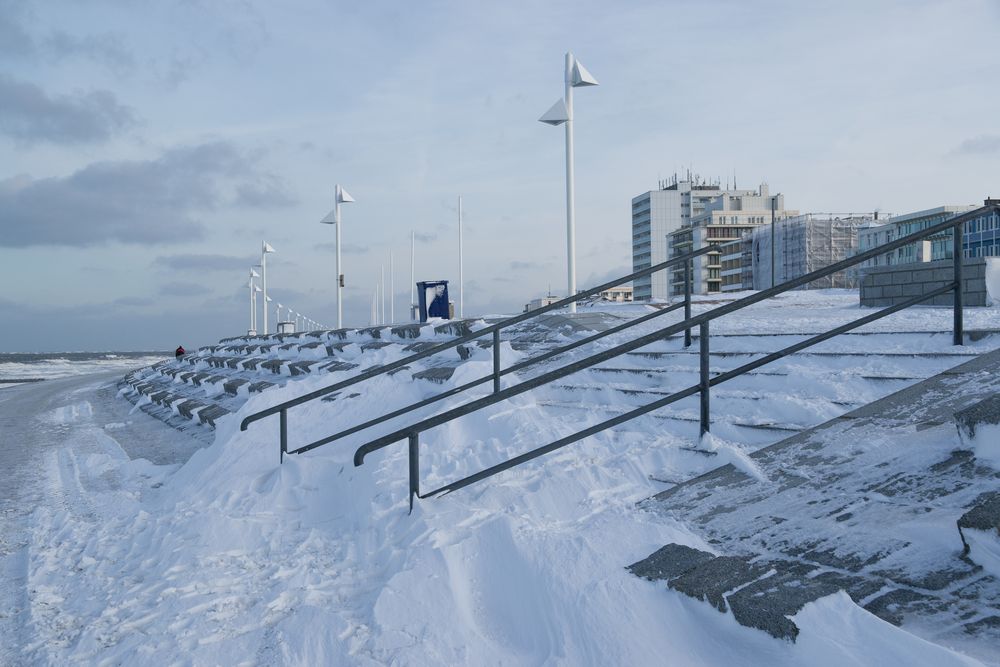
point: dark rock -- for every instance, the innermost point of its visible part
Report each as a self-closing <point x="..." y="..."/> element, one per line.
<point x="986" y="411"/>
<point x="712" y="579"/>
<point x="669" y="562"/>
<point x="983" y="515"/>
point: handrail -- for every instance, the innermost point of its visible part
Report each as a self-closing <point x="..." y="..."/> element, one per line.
<point x="486" y="378"/>
<point x="411" y="432"/>
<point x="493" y="329"/>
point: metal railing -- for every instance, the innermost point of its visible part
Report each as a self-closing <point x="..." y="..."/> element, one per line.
<point x="412" y="432"/>
<point x="493" y="330"/>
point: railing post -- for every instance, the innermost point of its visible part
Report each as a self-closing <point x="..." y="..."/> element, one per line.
<point x="956" y="252"/>
<point x="414" y="441"/>
<point x="687" y="300"/>
<point x="496" y="361"/>
<point x="283" y="429"/>
<point x="703" y="345"/>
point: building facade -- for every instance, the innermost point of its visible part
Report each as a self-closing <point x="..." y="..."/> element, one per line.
<point x="934" y="248"/>
<point x="725" y="219"/>
<point x="982" y="231"/>
<point x="801" y="244"/>
<point x="658" y="213"/>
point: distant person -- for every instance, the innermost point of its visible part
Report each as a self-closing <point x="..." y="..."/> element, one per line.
<point x="179" y="352"/>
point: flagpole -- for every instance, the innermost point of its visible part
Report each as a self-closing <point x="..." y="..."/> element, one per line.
<point x="263" y="280"/>
<point x="461" y="280"/>
<point x="413" y="285"/>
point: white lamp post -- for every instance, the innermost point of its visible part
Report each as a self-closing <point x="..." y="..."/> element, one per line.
<point x="279" y="313"/>
<point x="255" y="292"/>
<point x="253" y="310"/>
<point x="461" y="281"/>
<point x="562" y="113"/>
<point x="392" y="292"/>
<point x="265" y="248"/>
<point x="413" y="285"/>
<point x="333" y="218"/>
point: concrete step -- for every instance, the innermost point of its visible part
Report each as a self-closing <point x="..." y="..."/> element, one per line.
<point x="866" y="502"/>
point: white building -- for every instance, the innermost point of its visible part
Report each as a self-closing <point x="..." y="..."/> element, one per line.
<point x="725" y="218"/>
<point x="658" y="213"/>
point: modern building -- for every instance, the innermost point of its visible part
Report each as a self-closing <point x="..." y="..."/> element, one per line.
<point x="658" y="213"/>
<point x="982" y="232"/>
<point x="726" y="218"/>
<point x="937" y="247"/>
<point x="620" y="294"/>
<point x="801" y="244"/>
<point x="535" y="304"/>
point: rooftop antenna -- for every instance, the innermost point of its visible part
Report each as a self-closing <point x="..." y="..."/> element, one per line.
<point x="734" y="179"/>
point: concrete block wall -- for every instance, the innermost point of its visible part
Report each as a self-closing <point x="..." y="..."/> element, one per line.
<point x="888" y="285"/>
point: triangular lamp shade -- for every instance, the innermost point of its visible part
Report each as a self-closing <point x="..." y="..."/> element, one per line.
<point x="331" y="218"/>
<point x="268" y="248"/>
<point x="581" y="77"/>
<point x="342" y="196"/>
<point x="557" y="114"/>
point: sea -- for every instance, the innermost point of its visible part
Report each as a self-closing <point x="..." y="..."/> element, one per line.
<point x="17" y="368"/>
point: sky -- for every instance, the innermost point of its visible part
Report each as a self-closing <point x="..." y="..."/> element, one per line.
<point x="148" y="148"/>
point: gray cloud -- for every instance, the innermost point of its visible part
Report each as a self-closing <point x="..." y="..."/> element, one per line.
<point x="148" y="202"/>
<point x="345" y="248"/>
<point x="203" y="262"/>
<point x="107" y="49"/>
<point x="134" y="301"/>
<point x="14" y="39"/>
<point x="517" y="265"/>
<point x="986" y="144"/>
<point x="267" y="191"/>
<point x="30" y="116"/>
<point x="183" y="289"/>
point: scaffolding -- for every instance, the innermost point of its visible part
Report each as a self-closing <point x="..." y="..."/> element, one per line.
<point x="804" y="244"/>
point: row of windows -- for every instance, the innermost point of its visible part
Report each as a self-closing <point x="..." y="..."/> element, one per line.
<point x="982" y="224"/>
<point x="992" y="250"/>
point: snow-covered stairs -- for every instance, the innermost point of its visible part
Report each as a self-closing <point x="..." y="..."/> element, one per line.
<point x="767" y="404"/>
<point x="866" y="503"/>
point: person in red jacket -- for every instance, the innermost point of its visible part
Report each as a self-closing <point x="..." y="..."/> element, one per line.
<point x="179" y="352"/>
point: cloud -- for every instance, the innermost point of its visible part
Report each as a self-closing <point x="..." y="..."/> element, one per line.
<point x="137" y="301"/>
<point x="30" y="116"/>
<point x="203" y="262"/>
<point x="986" y="144"/>
<point x="345" y="248"/>
<point x="146" y="202"/>
<point x="268" y="191"/>
<point x="107" y="49"/>
<point x="517" y="265"/>
<point x="183" y="289"/>
<point x="14" y="40"/>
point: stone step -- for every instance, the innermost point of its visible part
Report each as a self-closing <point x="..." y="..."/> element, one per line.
<point x="871" y="496"/>
<point x="659" y="372"/>
<point x="609" y="412"/>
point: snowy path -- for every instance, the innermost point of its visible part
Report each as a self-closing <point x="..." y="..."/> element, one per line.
<point x="45" y="428"/>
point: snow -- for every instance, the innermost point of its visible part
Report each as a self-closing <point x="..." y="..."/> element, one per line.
<point x="986" y="444"/>
<point x="984" y="549"/>
<point x="233" y="559"/>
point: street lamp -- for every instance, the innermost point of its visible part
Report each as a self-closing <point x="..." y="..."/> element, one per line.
<point x="562" y="112"/>
<point x="254" y="293"/>
<point x="333" y="218"/>
<point x="263" y="278"/>
<point x="253" y="309"/>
